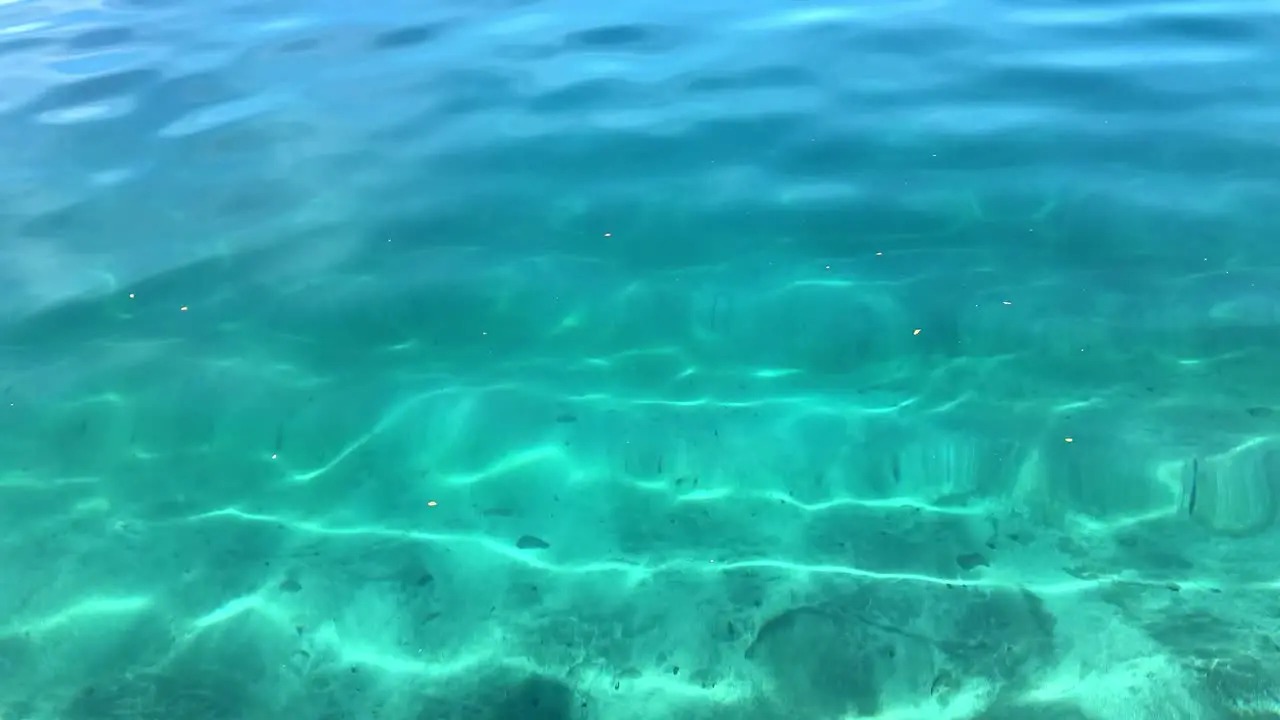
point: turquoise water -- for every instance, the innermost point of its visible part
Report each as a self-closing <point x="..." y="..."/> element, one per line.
<point x="767" y="360"/>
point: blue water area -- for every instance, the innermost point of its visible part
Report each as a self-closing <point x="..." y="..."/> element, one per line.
<point x="554" y="359"/>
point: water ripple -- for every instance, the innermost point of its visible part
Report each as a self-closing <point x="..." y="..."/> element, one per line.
<point x="721" y="297"/>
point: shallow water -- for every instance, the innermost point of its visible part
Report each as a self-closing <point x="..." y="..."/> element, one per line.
<point x="604" y="361"/>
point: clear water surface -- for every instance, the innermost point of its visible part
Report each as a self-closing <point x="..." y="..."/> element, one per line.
<point x="609" y="360"/>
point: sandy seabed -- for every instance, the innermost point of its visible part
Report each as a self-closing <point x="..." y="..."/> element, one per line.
<point x="770" y="502"/>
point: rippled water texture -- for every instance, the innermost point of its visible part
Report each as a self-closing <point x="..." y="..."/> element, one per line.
<point x="607" y="361"/>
